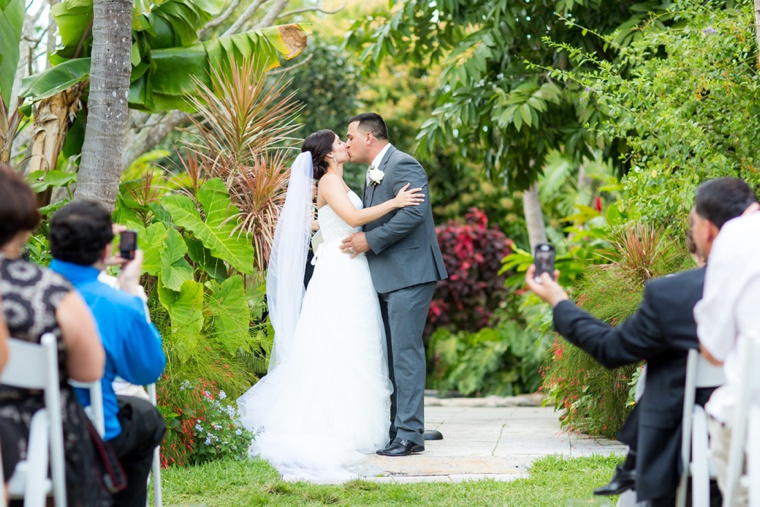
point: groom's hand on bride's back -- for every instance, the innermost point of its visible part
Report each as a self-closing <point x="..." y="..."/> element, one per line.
<point x="355" y="244"/>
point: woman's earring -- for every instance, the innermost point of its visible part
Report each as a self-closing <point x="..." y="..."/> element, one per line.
<point x="333" y="157"/>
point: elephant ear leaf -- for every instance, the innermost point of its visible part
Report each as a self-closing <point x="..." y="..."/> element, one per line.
<point x="11" y="23"/>
<point x="175" y="270"/>
<point x="217" y="231"/>
<point x="229" y="307"/>
<point x="186" y="313"/>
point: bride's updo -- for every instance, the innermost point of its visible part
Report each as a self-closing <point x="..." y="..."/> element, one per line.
<point x="319" y="144"/>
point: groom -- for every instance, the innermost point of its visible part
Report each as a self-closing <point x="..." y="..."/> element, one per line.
<point x="405" y="262"/>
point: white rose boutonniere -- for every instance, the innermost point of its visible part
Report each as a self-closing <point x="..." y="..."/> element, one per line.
<point x="375" y="176"/>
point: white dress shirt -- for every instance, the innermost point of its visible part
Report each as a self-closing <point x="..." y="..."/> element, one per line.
<point x="376" y="161"/>
<point x="730" y="304"/>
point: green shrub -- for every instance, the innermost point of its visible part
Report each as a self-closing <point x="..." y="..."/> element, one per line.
<point x="202" y="424"/>
<point x="592" y="399"/>
<point x="503" y="360"/>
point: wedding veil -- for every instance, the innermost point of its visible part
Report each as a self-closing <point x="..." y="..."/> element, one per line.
<point x="287" y="262"/>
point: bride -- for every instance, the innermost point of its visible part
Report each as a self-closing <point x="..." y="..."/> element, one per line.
<point x="325" y="400"/>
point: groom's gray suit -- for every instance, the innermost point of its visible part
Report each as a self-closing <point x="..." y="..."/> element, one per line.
<point x="405" y="262"/>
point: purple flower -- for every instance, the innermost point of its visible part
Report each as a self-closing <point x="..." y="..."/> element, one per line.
<point x="708" y="31"/>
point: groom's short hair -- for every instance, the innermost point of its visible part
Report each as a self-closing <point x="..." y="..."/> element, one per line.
<point x="371" y="122"/>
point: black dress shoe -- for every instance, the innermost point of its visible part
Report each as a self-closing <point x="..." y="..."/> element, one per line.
<point x="403" y="447"/>
<point x="623" y="480"/>
<point x="432" y="435"/>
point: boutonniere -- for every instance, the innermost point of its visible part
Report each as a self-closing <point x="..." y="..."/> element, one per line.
<point x="375" y="176"/>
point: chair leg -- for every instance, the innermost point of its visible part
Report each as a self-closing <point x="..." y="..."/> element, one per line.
<point x="35" y="492"/>
<point x="753" y="456"/>
<point x="156" y="472"/>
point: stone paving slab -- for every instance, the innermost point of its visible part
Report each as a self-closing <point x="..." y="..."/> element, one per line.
<point x="485" y="438"/>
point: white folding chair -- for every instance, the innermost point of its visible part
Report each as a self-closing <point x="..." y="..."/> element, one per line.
<point x="745" y="426"/>
<point x="695" y="452"/>
<point x="96" y="414"/>
<point x="156" y="470"/>
<point x="35" y="366"/>
<point x="95" y="410"/>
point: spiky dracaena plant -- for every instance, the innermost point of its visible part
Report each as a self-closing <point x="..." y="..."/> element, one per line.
<point x="591" y="398"/>
<point x="243" y="129"/>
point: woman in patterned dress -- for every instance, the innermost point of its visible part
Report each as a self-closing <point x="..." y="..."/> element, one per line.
<point x="36" y="301"/>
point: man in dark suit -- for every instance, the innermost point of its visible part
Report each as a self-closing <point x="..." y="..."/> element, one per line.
<point x="661" y="332"/>
<point x="405" y="263"/>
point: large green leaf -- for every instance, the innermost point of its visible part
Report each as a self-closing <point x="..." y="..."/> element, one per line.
<point x="175" y="270"/>
<point x="201" y="256"/>
<point x="229" y="306"/>
<point x="74" y="21"/>
<point x="56" y="79"/>
<point x="11" y="23"/>
<point x="186" y="313"/>
<point x="153" y="245"/>
<point x="42" y="180"/>
<point x="217" y="231"/>
<point x="170" y="78"/>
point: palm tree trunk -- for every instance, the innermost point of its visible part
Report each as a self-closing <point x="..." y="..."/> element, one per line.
<point x="534" y="218"/>
<point x="108" y="112"/>
<point x="757" y="28"/>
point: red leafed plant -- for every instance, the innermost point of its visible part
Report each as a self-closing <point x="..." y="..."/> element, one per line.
<point x="472" y="253"/>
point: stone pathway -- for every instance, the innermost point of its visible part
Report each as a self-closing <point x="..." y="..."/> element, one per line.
<point x="496" y="438"/>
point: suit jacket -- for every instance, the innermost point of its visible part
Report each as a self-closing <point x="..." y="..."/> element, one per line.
<point x="403" y="244"/>
<point x="661" y="332"/>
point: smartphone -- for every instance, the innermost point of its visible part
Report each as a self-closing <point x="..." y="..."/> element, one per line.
<point x="544" y="260"/>
<point x="128" y="245"/>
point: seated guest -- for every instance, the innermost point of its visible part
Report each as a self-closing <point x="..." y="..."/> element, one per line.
<point x="37" y="301"/>
<point x="80" y="241"/>
<point x="661" y="332"/>
<point x="728" y="310"/>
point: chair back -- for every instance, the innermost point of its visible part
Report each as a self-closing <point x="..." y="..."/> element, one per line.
<point x="700" y="373"/>
<point x="35" y="366"/>
<point x="741" y="431"/>
<point x="95" y="409"/>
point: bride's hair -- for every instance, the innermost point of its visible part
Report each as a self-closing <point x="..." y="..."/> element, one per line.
<point x="319" y="144"/>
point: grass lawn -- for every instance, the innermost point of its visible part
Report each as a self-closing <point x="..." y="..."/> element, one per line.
<point x="552" y="482"/>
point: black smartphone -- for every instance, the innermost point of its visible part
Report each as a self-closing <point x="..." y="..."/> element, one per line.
<point x="128" y="245"/>
<point x="543" y="258"/>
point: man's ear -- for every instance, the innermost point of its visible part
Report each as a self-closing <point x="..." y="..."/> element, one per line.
<point x="712" y="231"/>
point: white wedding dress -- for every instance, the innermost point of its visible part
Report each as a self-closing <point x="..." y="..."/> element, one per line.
<point x="328" y="404"/>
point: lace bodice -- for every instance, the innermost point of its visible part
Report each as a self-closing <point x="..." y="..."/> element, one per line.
<point x="332" y="226"/>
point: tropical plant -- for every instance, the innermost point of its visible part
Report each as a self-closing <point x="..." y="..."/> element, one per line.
<point x="196" y="273"/>
<point x="492" y="106"/>
<point x="472" y="253"/>
<point x="242" y="135"/>
<point x="165" y="57"/>
<point x="502" y="360"/>
<point x="203" y="425"/>
<point x="592" y="399"/>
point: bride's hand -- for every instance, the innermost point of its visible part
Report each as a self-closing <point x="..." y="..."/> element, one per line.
<point x="409" y="197"/>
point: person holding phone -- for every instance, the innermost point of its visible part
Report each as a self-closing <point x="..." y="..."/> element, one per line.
<point x="661" y="332"/>
<point x="80" y="241"/>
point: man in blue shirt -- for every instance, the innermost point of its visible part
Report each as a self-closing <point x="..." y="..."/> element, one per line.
<point x="80" y="241"/>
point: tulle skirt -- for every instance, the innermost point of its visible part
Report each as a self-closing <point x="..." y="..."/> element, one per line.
<point x="328" y="404"/>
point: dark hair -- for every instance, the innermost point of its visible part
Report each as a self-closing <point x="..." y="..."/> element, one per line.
<point x="18" y="205"/>
<point x="722" y="199"/>
<point x="371" y="122"/>
<point x="79" y="232"/>
<point x="319" y="144"/>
